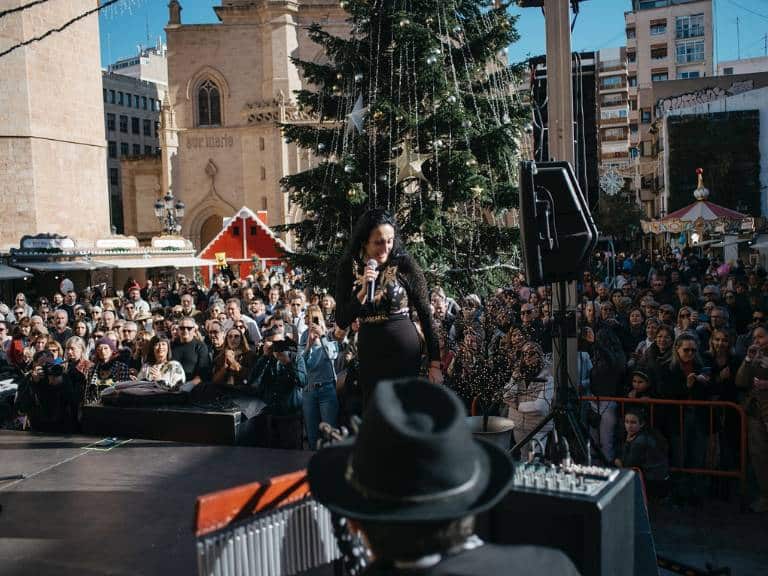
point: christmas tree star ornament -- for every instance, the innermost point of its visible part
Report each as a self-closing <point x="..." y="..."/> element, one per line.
<point x="477" y="190"/>
<point x="356" y="118"/>
<point x="408" y="163"/>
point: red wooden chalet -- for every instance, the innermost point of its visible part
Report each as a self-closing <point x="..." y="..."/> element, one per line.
<point x="247" y="241"/>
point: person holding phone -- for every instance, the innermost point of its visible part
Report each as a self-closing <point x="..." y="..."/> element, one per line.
<point x="320" y="403"/>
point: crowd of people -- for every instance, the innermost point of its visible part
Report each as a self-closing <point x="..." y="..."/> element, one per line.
<point x="677" y="326"/>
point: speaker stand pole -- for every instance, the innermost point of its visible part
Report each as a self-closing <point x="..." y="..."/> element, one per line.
<point x="561" y="147"/>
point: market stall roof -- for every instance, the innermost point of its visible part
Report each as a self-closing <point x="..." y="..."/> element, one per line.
<point x="11" y="273"/>
<point x="65" y="265"/>
<point x="162" y="262"/>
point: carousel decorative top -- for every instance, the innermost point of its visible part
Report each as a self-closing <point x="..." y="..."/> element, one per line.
<point x="701" y="193"/>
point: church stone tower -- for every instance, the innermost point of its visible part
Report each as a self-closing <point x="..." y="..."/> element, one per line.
<point x="52" y="147"/>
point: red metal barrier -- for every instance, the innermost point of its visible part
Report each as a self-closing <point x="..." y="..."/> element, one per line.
<point x="650" y="403"/>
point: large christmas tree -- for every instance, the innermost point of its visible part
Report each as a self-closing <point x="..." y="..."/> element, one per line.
<point x="414" y="112"/>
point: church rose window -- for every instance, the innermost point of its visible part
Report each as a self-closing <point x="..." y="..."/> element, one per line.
<point x="208" y="104"/>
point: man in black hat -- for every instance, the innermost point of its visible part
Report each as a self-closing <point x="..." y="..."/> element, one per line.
<point x="412" y="483"/>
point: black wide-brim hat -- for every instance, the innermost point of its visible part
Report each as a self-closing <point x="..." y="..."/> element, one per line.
<point x="414" y="460"/>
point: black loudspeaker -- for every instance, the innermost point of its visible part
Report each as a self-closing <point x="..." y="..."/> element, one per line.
<point x="556" y="226"/>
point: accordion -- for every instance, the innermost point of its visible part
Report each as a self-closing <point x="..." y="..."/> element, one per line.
<point x="272" y="528"/>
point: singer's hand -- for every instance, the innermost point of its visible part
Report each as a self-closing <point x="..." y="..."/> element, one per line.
<point x="369" y="275"/>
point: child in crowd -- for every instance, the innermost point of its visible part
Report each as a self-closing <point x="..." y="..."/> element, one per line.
<point x="645" y="449"/>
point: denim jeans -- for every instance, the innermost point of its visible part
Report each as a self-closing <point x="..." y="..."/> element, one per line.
<point x="605" y="437"/>
<point x="320" y="405"/>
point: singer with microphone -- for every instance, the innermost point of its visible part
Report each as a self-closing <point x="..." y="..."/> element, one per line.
<point x="379" y="283"/>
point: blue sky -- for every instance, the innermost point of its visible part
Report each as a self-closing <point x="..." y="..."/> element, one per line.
<point x="599" y="25"/>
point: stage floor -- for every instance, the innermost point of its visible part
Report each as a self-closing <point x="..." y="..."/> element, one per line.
<point x="123" y="510"/>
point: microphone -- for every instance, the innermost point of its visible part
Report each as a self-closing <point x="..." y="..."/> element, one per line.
<point x="371" y="265"/>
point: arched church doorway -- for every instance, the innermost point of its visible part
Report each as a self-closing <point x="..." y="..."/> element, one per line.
<point x="209" y="229"/>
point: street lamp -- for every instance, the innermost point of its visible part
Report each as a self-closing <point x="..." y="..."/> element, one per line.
<point x="170" y="212"/>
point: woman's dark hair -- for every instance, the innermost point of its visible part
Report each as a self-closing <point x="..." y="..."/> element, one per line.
<point x="365" y="224"/>
<point x="23" y="323"/>
<point x="151" y="349"/>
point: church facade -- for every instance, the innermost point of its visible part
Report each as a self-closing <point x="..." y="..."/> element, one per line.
<point x="229" y="85"/>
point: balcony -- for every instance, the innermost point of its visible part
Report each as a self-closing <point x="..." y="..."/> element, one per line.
<point x="613" y="86"/>
<point x="614" y="122"/>
<point x="618" y="103"/>
<point x="605" y="138"/>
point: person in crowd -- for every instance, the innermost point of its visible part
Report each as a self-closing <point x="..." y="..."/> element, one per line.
<point x="188" y="306"/>
<point x="20" y="302"/>
<point x="5" y="336"/>
<point x="191" y="352"/>
<point x="297" y="326"/>
<point x="644" y="450"/>
<point x="77" y="366"/>
<point x="347" y="369"/>
<point x="235" y="316"/>
<point x="48" y="397"/>
<point x="273" y="300"/>
<point x="278" y="378"/>
<point x="608" y="365"/>
<point x="133" y="297"/>
<point x="641" y="385"/>
<point x="61" y="330"/>
<point x="232" y="363"/>
<point x="320" y="403"/>
<point x="257" y="311"/>
<point x="328" y="305"/>
<point x="752" y="380"/>
<point x="160" y="366"/>
<point x="421" y="428"/>
<point x="56" y="349"/>
<point x="20" y="338"/>
<point x="684" y="324"/>
<point x="106" y="371"/>
<point x="529" y="396"/>
<point x="591" y="314"/>
<point x="388" y="343"/>
<point x="636" y="330"/>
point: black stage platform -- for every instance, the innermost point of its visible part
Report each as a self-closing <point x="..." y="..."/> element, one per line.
<point x="196" y="424"/>
<point x="122" y="510"/>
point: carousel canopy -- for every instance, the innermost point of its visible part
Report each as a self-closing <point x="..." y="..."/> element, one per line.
<point x="700" y="215"/>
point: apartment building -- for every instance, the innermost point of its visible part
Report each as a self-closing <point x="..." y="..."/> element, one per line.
<point x="613" y="119"/>
<point x="666" y="40"/>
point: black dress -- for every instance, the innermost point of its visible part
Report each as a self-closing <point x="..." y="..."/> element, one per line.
<point x="388" y="343"/>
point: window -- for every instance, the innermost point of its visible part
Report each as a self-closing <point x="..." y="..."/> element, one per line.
<point x="690" y="74"/>
<point x="135" y="125"/>
<point x="261" y="143"/>
<point x="144" y="102"/>
<point x="254" y="231"/>
<point x="690" y="51"/>
<point x="631" y="57"/>
<point x="112" y="149"/>
<point x="146" y="127"/>
<point x="632" y="80"/>
<point x="152" y="104"/>
<point x="727" y="71"/>
<point x="633" y="129"/>
<point x="613" y="114"/>
<point x="658" y="28"/>
<point x="111" y="96"/>
<point x="104" y="90"/>
<point x="208" y="105"/>
<point x="634" y="152"/>
<point x="123" y="123"/>
<point x="658" y="52"/>
<point x="264" y="203"/>
<point x="148" y="150"/>
<point x="114" y="176"/>
<point x="137" y="149"/>
<point x="124" y="149"/>
<point x="128" y="100"/>
<point x="659" y="76"/>
<point x="157" y="128"/>
<point x="616" y="99"/>
<point x="121" y="98"/>
<point x="611" y="81"/>
<point x="647" y="148"/>
<point x="235" y="231"/>
<point x="689" y="26"/>
<point x="630" y="33"/>
<point x="110" y="122"/>
<point x="633" y="104"/>
<point x="263" y="172"/>
<point x="613" y="134"/>
<point x="645" y="116"/>
<point x="136" y="101"/>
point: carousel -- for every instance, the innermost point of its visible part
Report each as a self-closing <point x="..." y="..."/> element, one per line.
<point x="702" y="223"/>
